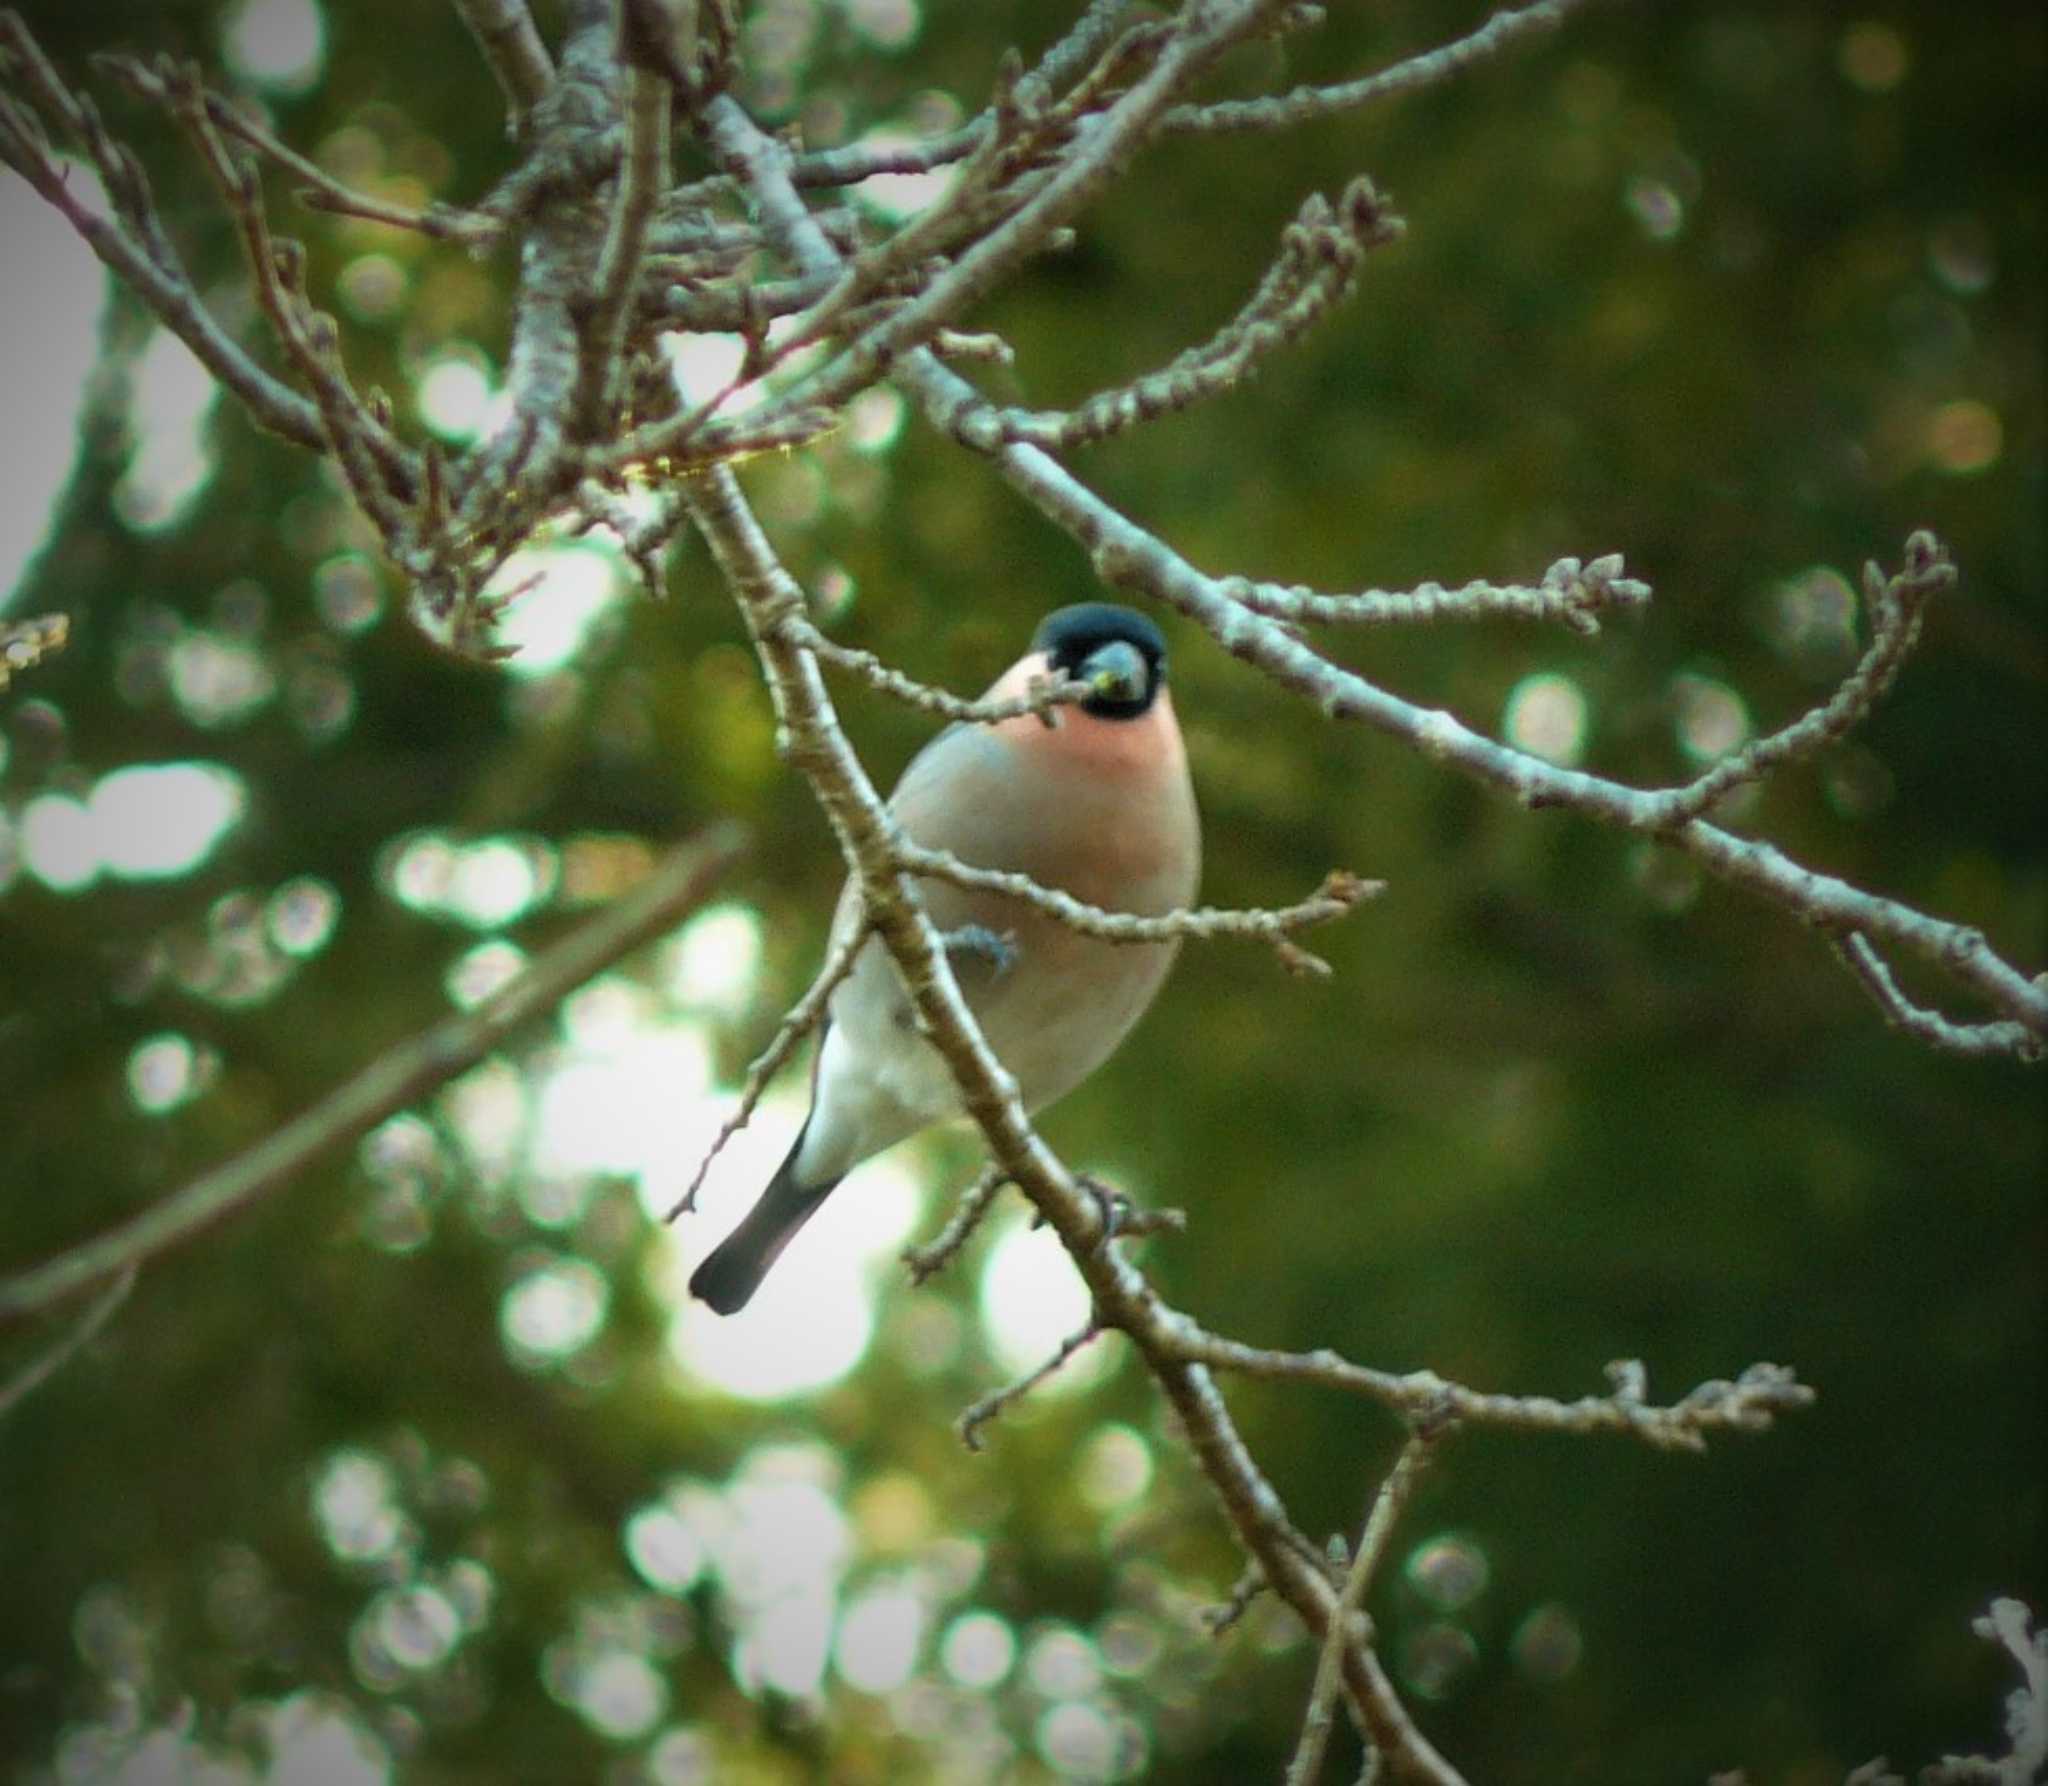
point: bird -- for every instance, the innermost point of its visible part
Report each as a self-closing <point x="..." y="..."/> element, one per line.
<point x="1091" y="797"/>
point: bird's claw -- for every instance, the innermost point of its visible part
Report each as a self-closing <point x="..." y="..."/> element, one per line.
<point x="997" y="948"/>
<point x="1112" y="1208"/>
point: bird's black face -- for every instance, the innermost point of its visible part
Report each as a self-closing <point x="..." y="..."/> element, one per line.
<point x="1116" y="651"/>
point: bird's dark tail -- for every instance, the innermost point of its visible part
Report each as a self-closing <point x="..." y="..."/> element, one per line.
<point x="733" y="1270"/>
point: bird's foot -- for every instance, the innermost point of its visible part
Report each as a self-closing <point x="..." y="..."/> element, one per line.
<point x="1112" y="1207"/>
<point x="997" y="948"/>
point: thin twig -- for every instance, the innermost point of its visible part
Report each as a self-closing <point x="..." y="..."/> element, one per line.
<point x="132" y="243"/>
<point x="322" y="191"/>
<point x="1304" y="104"/>
<point x="1338" y="894"/>
<point x="1974" y="1041"/>
<point x="1749" y="1404"/>
<point x="381" y="473"/>
<point x="1571" y="591"/>
<point x="1194" y="45"/>
<point x="1127" y="556"/>
<point x="801" y="1018"/>
<point x="1322" y="251"/>
<point x="1895" y="605"/>
<point x="86" y="1329"/>
<point x="643" y="177"/>
<point x="1052" y="691"/>
<point x="1349" y="1611"/>
<point x="975" y="1417"/>
<point x="513" y="51"/>
<point x="969" y="1211"/>
<point x="2026" y="1720"/>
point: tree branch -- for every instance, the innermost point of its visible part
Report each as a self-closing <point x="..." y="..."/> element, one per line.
<point x="87" y="1328"/>
<point x="813" y="742"/>
<point x="513" y="51"/>
<point x="388" y="1084"/>
<point x="1128" y="556"/>
<point x="1347" y="1617"/>
<point x="131" y="243"/>
<point x="1306" y="104"/>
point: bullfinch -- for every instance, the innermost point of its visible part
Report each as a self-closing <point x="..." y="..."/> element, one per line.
<point x="1092" y="798"/>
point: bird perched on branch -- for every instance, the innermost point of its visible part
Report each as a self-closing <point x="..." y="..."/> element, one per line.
<point x="1091" y="798"/>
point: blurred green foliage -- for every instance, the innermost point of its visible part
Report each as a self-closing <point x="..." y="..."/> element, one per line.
<point x="1731" y="289"/>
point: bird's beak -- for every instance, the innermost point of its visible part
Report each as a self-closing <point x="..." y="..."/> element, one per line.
<point x="1116" y="673"/>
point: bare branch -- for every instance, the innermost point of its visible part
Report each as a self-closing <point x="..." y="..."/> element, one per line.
<point x="1170" y="1344"/>
<point x="1974" y="1040"/>
<point x="1305" y="104"/>
<point x="1572" y="592"/>
<point x="1128" y="556"/>
<point x="974" y="1418"/>
<point x="802" y="1017"/>
<point x="1896" y="604"/>
<point x="1082" y="45"/>
<point x="1337" y="895"/>
<point x="511" y="46"/>
<point x="1321" y="254"/>
<point x="131" y="243"/>
<point x="1347" y="1624"/>
<point x="322" y="192"/>
<point x="388" y="1084"/>
<point x="381" y="472"/>
<point x="2026" y="1719"/>
<point x="1191" y="47"/>
<point x="83" y="1332"/>
<point x="643" y="177"/>
<point x="974" y="1203"/>
<point x="1052" y="692"/>
<point x="1750" y="1404"/>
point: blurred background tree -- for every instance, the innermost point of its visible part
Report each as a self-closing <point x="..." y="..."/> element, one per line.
<point x="425" y="1471"/>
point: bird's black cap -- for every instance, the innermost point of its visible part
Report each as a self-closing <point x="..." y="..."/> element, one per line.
<point x="1070" y="636"/>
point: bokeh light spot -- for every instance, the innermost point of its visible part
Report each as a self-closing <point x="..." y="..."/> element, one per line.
<point x="1873" y="57"/>
<point x="58" y="843"/>
<point x="303" y="914"/>
<point x="1964" y="437"/>
<point x="665" y="1548"/>
<point x="874" y="419"/>
<point x="716" y="960"/>
<point x="1546" y="716"/>
<point x="170" y="403"/>
<point x="1547" y="1645"/>
<point x="455" y="396"/>
<point x="166" y="1072"/>
<point x="373" y="287"/>
<point x="152" y="821"/>
<point x="1449" y="1572"/>
<point x="1710" y="717"/>
<point x="703" y="365"/>
<point x="880" y="1633"/>
<point x="978" y="1650"/>
<point x="1656" y="207"/>
<point x="553" y="1311"/>
<point x="276" y="43"/>
<point x="563" y="593"/>
<point x="1115" y="1468"/>
<point x="1436" y="1658"/>
<point x="356" y="1508"/>
<point x="887" y="24"/>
